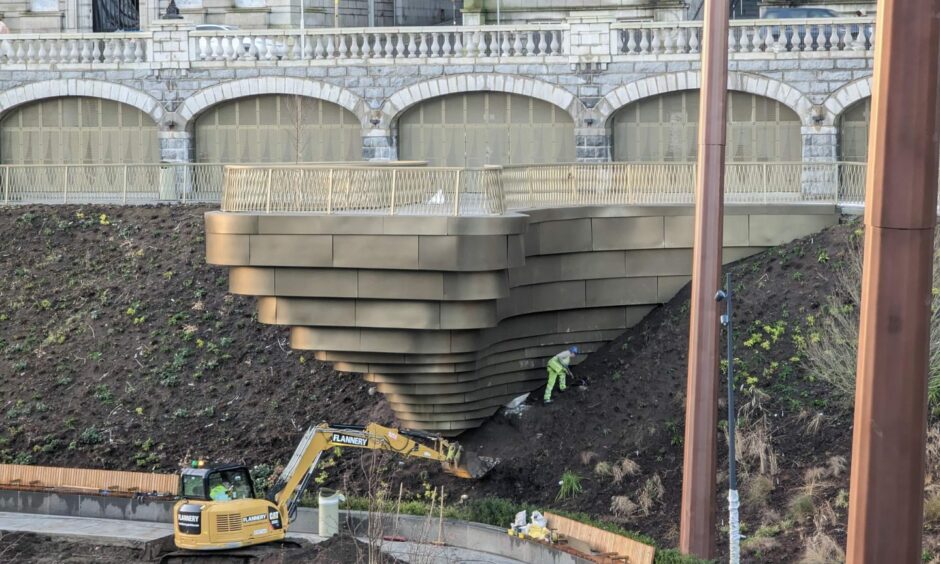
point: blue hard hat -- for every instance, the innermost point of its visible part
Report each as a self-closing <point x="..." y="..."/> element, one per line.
<point x="573" y="350"/>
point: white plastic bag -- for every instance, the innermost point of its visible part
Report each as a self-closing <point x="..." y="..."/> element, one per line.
<point x="539" y="519"/>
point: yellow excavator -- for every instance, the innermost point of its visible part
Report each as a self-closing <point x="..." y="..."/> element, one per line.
<point x="218" y="509"/>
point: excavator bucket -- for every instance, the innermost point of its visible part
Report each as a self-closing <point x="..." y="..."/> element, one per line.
<point x="470" y="466"/>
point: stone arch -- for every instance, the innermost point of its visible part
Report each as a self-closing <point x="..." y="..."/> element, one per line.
<point x="231" y="90"/>
<point x="36" y="91"/>
<point x="404" y="99"/>
<point x="690" y="80"/>
<point x="847" y="96"/>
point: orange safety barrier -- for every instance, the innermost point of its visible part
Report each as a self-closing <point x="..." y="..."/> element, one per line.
<point x="80" y="480"/>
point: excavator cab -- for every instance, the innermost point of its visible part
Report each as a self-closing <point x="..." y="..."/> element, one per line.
<point x="217" y="483"/>
<point x="218" y="510"/>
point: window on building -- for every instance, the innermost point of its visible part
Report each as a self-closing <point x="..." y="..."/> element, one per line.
<point x="853" y="130"/>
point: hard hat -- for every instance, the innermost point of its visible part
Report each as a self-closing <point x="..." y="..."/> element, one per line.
<point x="574" y="350"/>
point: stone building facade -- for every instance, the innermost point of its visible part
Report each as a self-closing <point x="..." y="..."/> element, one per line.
<point x="572" y="80"/>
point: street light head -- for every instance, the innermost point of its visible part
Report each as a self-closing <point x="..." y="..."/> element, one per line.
<point x="720" y="296"/>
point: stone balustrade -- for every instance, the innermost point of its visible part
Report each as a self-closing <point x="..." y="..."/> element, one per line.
<point x="88" y="49"/>
<point x="763" y="37"/>
<point x="379" y="43"/>
<point x="606" y="42"/>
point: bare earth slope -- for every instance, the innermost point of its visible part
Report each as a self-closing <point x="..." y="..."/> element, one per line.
<point x="120" y="348"/>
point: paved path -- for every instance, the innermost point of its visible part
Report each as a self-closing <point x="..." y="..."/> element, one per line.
<point x="116" y="532"/>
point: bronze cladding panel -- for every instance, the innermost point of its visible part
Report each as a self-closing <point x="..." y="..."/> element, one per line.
<point x="227" y="250"/>
<point x="621" y="291"/>
<point x="679" y="231"/>
<point x="483" y="252"/>
<point x="561" y="237"/>
<point x="291" y="250"/>
<point x="315" y="282"/>
<point x="375" y="251"/>
<point x="249" y="281"/>
<point x="628" y="233"/>
<point x="401" y="284"/>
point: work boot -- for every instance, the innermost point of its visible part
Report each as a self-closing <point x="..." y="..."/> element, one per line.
<point x="546" y="402"/>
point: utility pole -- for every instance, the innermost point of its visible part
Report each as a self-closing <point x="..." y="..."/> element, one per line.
<point x="887" y="481"/>
<point x="697" y="516"/>
<point x="734" y="523"/>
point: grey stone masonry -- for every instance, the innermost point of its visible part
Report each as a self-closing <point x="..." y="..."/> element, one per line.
<point x="588" y="70"/>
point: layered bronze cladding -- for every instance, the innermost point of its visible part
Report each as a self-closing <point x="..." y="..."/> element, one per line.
<point x="453" y="317"/>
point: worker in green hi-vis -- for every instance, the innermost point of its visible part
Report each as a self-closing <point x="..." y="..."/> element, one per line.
<point x="557" y="369"/>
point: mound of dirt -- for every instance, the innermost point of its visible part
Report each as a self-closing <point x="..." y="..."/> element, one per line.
<point x="120" y="348"/>
<point x="627" y="402"/>
<point x="124" y="351"/>
<point x="43" y="549"/>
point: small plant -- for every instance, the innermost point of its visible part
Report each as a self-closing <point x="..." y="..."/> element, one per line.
<point x="587" y="457"/>
<point x="622" y="506"/>
<point x="822" y="257"/>
<point x="569" y="485"/>
<point x="801" y="507"/>
<point x="91" y="436"/>
<point x="651" y="494"/>
<point x="603" y="468"/>
<point x="624" y="468"/>
<point x="104" y="394"/>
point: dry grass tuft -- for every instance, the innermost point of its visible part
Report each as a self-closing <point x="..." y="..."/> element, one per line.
<point x="758" y="545"/>
<point x="753" y="445"/>
<point x="824" y="516"/>
<point x="932" y="510"/>
<point x="602" y="468"/>
<point x="757" y="490"/>
<point x="822" y="549"/>
<point x="651" y="494"/>
<point x="623" y="507"/>
<point x="801" y="507"/>
<point x="587" y="457"/>
<point x="814" y="424"/>
<point x="624" y="469"/>
<point x="837" y="466"/>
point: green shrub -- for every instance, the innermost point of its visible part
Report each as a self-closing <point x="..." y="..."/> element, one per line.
<point x="570" y="485"/>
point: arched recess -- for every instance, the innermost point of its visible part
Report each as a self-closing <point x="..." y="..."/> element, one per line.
<point x="77" y="130"/>
<point x="853" y="131"/>
<point x="404" y="99"/>
<point x="35" y="91"/>
<point x="277" y="128"/>
<point x="663" y="128"/>
<point x="690" y="80"/>
<point x="486" y="128"/>
<point x="200" y="101"/>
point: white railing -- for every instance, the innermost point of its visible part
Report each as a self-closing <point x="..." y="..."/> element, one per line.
<point x="747" y="36"/>
<point x="401" y="188"/>
<point x="363" y="190"/>
<point x="379" y="43"/>
<point x="110" y="183"/>
<point x="61" y="49"/>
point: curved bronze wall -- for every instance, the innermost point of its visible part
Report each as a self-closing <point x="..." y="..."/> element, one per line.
<point x="451" y="317"/>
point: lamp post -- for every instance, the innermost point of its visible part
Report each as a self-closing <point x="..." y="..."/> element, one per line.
<point x="336" y="14"/>
<point x="734" y="525"/>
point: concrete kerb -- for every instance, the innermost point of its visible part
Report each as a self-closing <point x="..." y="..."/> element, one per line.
<point x="461" y="534"/>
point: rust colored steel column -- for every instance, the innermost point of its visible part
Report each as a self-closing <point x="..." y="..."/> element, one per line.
<point x="886" y="496"/>
<point x="697" y="519"/>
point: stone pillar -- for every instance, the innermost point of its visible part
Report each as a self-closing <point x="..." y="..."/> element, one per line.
<point x="170" y="44"/>
<point x="379" y="145"/>
<point x="593" y="144"/>
<point x="588" y="44"/>
<point x="176" y="146"/>
<point x="820" y="145"/>
<point x="473" y="13"/>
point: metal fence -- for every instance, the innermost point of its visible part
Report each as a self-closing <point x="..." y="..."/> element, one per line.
<point x="410" y="188"/>
<point x="363" y="190"/>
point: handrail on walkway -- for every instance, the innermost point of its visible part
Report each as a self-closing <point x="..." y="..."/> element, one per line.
<point x="494" y="190"/>
<point x="411" y="188"/>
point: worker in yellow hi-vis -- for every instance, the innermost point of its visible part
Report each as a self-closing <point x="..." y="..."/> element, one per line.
<point x="557" y="370"/>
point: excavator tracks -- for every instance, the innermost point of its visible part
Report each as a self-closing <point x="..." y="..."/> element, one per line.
<point x="279" y="552"/>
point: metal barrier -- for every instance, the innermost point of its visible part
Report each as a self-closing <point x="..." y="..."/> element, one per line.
<point x="363" y="190"/>
<point x="455" y="191"/>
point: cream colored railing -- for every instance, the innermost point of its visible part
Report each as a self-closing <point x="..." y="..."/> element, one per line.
<point x="370" y="190"/>
<point x="401" y="188"/>
<point x="111" y="183"/>
<point x="123" y="183"/>
<point x="455" y="191"/>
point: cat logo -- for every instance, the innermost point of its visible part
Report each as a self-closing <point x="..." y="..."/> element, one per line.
<point x="349" y="440"/>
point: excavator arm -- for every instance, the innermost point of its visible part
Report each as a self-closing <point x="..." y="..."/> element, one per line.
<point x="293" y="481"/>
